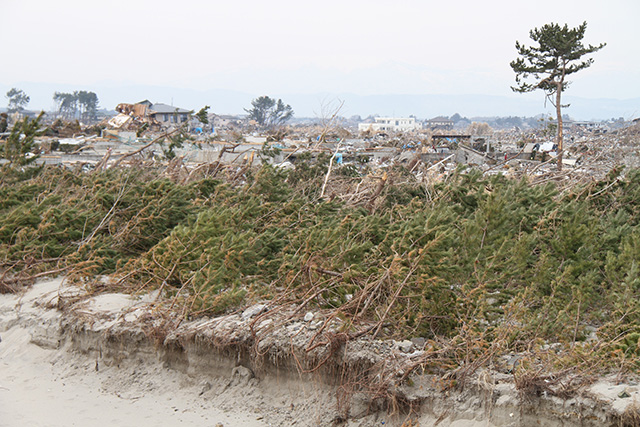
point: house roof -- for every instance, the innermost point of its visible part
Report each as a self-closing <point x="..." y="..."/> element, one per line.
<point x="440" y="119"/>
<point x="168" y="109"/>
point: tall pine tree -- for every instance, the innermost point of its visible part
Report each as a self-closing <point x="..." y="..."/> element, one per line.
<point x="559" y="52"/>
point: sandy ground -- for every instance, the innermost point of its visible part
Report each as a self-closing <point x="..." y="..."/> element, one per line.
<point x="42" y="386"/>
<point x="45" y="381"/>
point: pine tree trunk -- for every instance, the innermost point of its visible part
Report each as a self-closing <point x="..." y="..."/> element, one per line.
<point x="559" y="114"/>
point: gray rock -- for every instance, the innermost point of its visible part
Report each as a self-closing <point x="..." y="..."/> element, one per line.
<point x="253" y="311"/>
<point x="265" y="323"/>
<point x="241" y="375"/>
<point x="315" y="325"/>
<point x="419" y="342"/>
<point x="205" y="387"/>
<point x="308" y="317"/>
<point x="511" y="362"/>
<point x="405" y="346"/>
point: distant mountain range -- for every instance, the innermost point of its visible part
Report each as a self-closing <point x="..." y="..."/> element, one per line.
<point x="316" y="105"/>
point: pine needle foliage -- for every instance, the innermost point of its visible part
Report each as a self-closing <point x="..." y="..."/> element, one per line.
<point x="485" y="264"/>
<point x="102" y="219"/>
<point x="18" y="149"/>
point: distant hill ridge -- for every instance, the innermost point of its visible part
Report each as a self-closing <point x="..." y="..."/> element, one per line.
<point x="422" y="106"/>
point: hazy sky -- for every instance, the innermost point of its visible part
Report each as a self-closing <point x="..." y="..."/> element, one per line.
<point x="295" y="46"/>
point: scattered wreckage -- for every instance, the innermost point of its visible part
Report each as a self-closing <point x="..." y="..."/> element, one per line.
<point x="140" y="132"/>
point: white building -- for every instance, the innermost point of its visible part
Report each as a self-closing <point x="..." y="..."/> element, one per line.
<point x="397" y="124"/>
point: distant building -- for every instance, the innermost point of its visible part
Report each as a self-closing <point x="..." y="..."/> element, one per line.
<point x="439" y="123"/>
<point x="167" y="114"/>
<point x="224" y="120"/>
<point x="583" y="125"/>
<point x="19" y="115"/>
<point x="147" y="112"/>
<point x="396" y="124"/>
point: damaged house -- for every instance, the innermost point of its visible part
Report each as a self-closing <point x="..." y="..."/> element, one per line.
<point x="134" y="115"/>
<point x="168" y="114"/>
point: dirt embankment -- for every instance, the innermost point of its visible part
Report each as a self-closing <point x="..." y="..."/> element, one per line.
<point x="113" y="359"/>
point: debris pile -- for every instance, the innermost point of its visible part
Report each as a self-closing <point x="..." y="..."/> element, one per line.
<point x="133" y="117"/>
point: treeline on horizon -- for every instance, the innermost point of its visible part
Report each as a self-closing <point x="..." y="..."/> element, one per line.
<point x="85" y="105"/>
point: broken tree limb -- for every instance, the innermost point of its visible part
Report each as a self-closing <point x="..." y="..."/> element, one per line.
<point x="81" y="149"/>
<point x="141" y="149"/>
<point x="106" y="218"/>
<point x="507" y="160"/>
<point x="440" y="162"/>
<point x="102" y="164"/>
<point x="326" y="177"/>
<point x="379" y="188"/>
<point x="328" y="124"/>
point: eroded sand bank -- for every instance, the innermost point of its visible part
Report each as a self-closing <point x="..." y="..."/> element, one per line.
<point x="44" y="384"/>
<point x="93" y="365"/>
